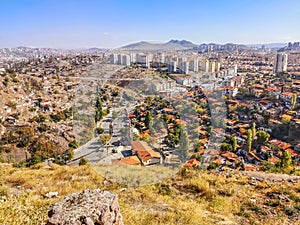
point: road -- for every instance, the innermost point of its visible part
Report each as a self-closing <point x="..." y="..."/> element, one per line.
<point x="94" y="150"/>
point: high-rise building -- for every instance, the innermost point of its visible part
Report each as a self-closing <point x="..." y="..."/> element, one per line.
<point x="126" y="60"/>
<point x="144" y="60"/>
<point x="113" y="58"/>
<point x="119" y="62"/>
<point x="133" y="58"/>
<point x="194" y="65"/>
<point x="172" y="67"/>
<point x="280" y="63"/>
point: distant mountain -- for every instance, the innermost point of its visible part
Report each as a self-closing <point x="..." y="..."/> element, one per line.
<point x="168" y="46"/>
<point x="182" y="45"/>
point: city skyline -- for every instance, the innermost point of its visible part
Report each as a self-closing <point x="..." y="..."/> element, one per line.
<point x="78" y="24"/>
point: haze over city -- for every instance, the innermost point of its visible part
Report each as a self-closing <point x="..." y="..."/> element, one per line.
<point x="110" y="24"/>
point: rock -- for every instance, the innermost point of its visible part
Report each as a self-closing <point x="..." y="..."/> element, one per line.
<point x="2" y="130"/>
<point x="52" y="195"/>
<point x="88" y="207"/>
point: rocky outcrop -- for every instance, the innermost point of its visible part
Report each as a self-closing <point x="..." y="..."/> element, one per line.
<point x="90" y="207"/>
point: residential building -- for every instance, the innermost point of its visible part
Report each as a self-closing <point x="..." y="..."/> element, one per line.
<point x="280" y="63"/>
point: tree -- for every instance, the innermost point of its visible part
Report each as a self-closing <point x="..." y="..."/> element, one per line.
<point x="148" y="119"/>
<point x="184" y="142"/>
<point x="286" y="160"/>
<point x="111" y="128"/>
<point x="286" y="118"/>
<point x="249" y="140"/>
<point x="99" y="104"/>
<point x="99" y="111"/>
<point x="234" y="143"/>
<point x="83" y="161"/>
<point x="253" y="129"/>
<point x="262" y="137"/>
<point x="197" y="145"/>
<point x="226" y="147"/>
<point x="98" y="116"/>
<point x="294" y="100"/>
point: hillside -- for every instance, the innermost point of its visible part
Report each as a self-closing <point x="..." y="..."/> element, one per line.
<point x="168" y="46"/>
<point x="190" y="197"/>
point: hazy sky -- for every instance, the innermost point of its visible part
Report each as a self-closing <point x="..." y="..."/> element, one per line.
<point x="113" y="23"/>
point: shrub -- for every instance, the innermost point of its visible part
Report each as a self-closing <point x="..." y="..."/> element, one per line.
<point x="83" y="161"/>
<point x="73" y="144"/>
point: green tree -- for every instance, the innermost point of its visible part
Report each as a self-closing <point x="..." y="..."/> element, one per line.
<point x="262" y="137"/>
<point x="184" y="142"/>
<point x="286" y="160"/>
<point x="99" y="112"/>
<point x="234" y="143"/>
<point x="253" y="129"/>
<point x="148" y="119"/>
<point x="83" y="161"/>
<point x="249" y="140"/>
<point x="148" y="100"/>
<point x="197" y="145"/>
<point x="99" y="104"/>
<point x="226" y="147"/>
<point x="35" y="159"/>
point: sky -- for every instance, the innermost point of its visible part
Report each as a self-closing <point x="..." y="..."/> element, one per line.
<point x="114" y="23"/>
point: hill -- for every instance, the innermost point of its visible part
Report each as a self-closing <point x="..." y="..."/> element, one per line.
<point x="168" y="46"/>
<point x="190" y="197"/>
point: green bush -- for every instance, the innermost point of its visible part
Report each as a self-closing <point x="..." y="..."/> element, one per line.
<point x="83" y="161"/>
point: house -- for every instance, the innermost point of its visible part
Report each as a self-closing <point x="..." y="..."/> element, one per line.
<point x="250" y="167"/>
<point x="264" y="104"/>
<point x="294" y="154"/>
<point x="273" y="160"/>
<point x="286" y="96"/>
<point x="257" y="92"/>
<point x="229" y="91"/>
<point x="230" y="156"/>
<point x="253" y="158"/>
<point x="145" y="153"/>
<point x="192" y="163"/>
<point x="130" y="160"/>
<point x="273" y="92"/>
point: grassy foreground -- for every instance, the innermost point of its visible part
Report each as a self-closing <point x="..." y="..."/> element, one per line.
<point x="190" y="197"/>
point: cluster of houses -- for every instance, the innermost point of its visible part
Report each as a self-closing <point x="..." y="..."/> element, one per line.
<point x="267" y="110"/>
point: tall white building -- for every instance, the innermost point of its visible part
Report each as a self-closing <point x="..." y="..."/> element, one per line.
<point x="183" y="67"/>
<point x="172" y="67"/>
<point x="280" y="64"/>
<point x="113" y="58"/>
<point x="126" y="60"/>
<point x="194" y="65"/>
<point x="133" y="57"/>
<point x="144" y="60"/>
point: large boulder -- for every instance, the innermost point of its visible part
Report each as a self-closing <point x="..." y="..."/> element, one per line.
<point x="89" y="207"/>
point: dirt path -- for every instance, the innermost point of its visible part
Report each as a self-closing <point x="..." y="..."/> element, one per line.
<point x="260" y="176"/>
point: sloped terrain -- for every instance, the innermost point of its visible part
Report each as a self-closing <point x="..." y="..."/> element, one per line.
<point x="190" y="197"/>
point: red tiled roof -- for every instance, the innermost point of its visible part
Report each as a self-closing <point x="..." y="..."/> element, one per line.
<point x="229" y="155"/>
<point x="191" y="163"/>
<point x="130" y="160"/>
<point x="273" y="159"/>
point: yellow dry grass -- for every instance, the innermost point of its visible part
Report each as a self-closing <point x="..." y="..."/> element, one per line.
<point x="188" y="198"/>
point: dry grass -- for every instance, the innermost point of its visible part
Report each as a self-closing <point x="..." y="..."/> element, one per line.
<point x="135" y="175"/>
<point x="189" y="198"/>
<point x="22" y="190"/>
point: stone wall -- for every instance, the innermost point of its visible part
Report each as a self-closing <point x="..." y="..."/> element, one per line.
<point x="90" y="207"/>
